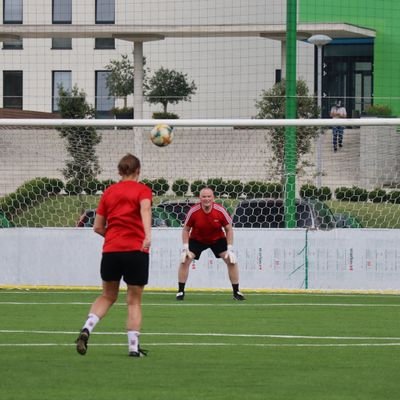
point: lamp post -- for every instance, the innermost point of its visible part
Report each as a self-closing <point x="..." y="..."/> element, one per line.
<point x="319" y="41"/>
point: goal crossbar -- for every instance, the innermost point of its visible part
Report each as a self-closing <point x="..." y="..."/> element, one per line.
<point x="32" y="122"/>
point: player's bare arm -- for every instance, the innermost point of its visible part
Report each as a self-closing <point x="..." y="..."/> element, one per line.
<point x="99" y="225"/>
<point x="145" y="213"/>
<point x="229" y="254"/>
<point x="186" y="253"/>
<point x="185" y="234"/>
<point x="229" y="234"/>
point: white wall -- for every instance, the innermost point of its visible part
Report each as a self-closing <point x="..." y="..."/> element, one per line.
<point x="200" y="153"/>
<point x="362" y="259"/>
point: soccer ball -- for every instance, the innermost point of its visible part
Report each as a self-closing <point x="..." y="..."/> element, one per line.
<point x="162" y="135"/>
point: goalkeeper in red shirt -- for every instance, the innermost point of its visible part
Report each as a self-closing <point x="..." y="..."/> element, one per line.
<point x="208" y="225"/>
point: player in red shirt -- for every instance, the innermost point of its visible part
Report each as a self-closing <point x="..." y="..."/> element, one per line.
<point x="208" y="225"/>
<point x="123" y="217"/>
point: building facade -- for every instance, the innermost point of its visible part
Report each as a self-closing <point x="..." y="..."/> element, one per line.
<point x="230" y="70"/>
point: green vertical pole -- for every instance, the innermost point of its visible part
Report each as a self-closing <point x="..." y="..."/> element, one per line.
<point x="306" y="262"/>
<point x="291" y="108"/>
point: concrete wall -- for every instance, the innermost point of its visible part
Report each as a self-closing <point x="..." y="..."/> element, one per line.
<point x="196" y="153"/>
<point x="362" y="259"/>
<point x="379" y="157"/>
<point x="369" y="157"/>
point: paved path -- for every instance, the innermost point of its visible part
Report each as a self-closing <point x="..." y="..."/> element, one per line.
<point x="341" y="168"/>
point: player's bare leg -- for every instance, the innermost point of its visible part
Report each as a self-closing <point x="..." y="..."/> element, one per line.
<point x="233" y="273"/>
<point x="134" y="319"/>
<point x="107" y="298"/>
<point x="183" y="274"/>
<point x="98" y="310"/>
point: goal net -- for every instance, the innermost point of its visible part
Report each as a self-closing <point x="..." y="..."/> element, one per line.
<point x="214" y="59"/>
<point x="51" y="175"/>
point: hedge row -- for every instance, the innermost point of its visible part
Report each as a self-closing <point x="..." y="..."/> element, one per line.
<point x="228" y="188"/>
<point x="92" y="186"/>
<point x="36" y="190"/>
<point x="235" y="189"/>
<point x="29" y="194"/>
<point x="351" y="194"/>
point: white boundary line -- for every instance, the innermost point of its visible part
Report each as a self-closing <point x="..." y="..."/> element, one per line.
<point x="209" y="334"/>
<point x="179" y="304"/>
<point x="211" y="344"/>
<point x="209" y="292"/>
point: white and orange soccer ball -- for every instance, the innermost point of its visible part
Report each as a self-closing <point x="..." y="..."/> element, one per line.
<point x="162" y="135"/>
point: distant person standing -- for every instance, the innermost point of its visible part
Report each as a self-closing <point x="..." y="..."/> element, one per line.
<point x="338" y="111"/>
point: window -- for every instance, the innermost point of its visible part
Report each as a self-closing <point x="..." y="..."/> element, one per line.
<point x="13" y="44"/>
<point x="61" y="43"/>
<point x="62" y="11"/>
<point x="62" y="14"/>
<point x="104" y="43"/>
<point x="105" y="11"/>
<point x="12" y="11"/>
<point x="104" y="101"/>
<point x="12" y="89"/>
<point x="12" y="14"/>
<point x="105" y="14"/>
<point x="60" y="79"/>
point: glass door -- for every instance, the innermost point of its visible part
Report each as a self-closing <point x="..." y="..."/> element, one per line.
<point x="362" y="87"/>
<point x="348" y="76"/>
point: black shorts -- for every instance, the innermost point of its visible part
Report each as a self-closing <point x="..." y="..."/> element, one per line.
<point x="217" y="248"/>
<point x="132" y="266"/>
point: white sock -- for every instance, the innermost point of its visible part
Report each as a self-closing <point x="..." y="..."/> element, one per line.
<point x="91" y="322"/>
<point x="133" y="340"/>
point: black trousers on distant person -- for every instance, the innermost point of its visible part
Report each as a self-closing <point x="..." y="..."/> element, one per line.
<point x="337" y="132"/>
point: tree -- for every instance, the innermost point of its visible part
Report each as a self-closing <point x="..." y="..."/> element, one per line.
<point x="272" y="106"/>
<point x="121" y="77"/>
<point x="81" y="141"/>
<point x="169" y="86"/>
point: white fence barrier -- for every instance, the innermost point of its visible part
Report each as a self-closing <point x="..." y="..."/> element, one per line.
<point x="349" y="259"/>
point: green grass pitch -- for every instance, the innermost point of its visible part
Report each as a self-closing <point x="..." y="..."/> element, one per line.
<point x="272" y="346"/>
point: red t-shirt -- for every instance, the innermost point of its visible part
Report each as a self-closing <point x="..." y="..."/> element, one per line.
<point x="120" y="206"/>
<point x="207" y="227"/>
